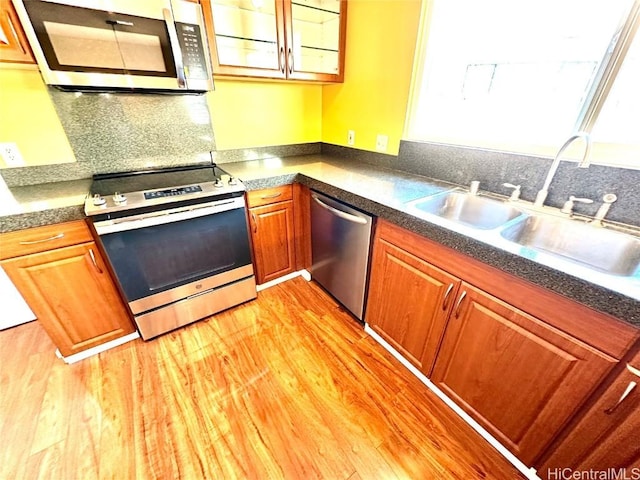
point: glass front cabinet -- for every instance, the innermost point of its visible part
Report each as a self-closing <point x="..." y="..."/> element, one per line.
<point x="287" y="39"/>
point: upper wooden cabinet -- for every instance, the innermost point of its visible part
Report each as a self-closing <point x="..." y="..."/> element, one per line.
<point x="284" y="39"/>
<point x="13" y="42"/>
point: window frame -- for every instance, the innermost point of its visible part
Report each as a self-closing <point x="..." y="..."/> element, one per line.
<point x="618" y="155"/>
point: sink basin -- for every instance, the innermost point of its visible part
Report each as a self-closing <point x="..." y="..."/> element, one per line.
<point x="598" y="248"/>
<point x="471" y="210"/>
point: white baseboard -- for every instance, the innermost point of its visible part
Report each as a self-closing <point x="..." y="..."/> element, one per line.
<point x="76" y="357"/>
<point x="300" y="273"/>
<point x="530" y="473"/>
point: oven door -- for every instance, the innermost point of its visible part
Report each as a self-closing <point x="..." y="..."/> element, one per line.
<point x="165" y="256"/>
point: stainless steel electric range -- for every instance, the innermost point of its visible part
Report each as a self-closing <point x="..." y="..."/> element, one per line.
<point x="177" y="242"/>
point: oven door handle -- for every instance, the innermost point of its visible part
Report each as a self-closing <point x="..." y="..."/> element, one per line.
<point x="161" y="218"/>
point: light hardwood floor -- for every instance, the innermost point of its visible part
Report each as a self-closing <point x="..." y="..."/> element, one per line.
<point x="288" y="386"/>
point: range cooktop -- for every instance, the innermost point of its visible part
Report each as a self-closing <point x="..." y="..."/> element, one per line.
<point x="150" y="188"/>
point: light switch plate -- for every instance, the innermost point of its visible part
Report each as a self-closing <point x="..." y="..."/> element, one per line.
<point x="351" y="137"/>
<point x="381" y="143"/>
<point x="11" y="155"/>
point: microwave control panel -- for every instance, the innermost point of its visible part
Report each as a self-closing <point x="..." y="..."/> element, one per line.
<point x="190" y="39"/>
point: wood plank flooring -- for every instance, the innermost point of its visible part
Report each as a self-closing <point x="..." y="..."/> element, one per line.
<point x="288" y="386"/>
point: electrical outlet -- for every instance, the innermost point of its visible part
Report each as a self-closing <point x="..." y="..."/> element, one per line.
<point x="381" y="143"/>
<point x="351" y="137"/>
<point x="11" y="155"/>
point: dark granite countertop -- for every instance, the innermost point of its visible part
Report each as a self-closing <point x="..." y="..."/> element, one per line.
<point x="380" y="191"/>
<point x="42" y="204"/>
<point x="385" y="193"/>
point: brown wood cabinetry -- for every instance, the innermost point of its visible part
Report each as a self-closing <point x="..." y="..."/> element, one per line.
<point x="272" y="232"/>
<point x="13" y="42"/>
<point x="517" y="376"/>
<point x="607" y="434"/>
<point x="280" y="39"/>
<point x="63" y="278"/>
<point x="522" y="371"/>
<point x="409" y="303"/>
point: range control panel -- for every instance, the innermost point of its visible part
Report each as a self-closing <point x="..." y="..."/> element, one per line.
<point x="171" y="192"/>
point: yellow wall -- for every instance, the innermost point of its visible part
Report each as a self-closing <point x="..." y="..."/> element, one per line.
<point x="256" y="114"/>
<point x="28" y="118"/>
<point x="381" y="38"/>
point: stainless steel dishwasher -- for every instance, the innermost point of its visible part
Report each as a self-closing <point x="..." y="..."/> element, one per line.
<point x="340" y="241"/>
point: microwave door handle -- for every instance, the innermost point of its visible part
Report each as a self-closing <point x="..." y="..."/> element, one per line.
<point x="175" y="47"/>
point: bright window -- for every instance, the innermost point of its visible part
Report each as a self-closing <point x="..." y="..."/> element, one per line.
<point x="521" y="76"/>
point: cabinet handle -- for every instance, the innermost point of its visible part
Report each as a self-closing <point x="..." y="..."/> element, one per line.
<point x="457" y="309"/>
<point x="33" y="242"/>
<point x="446" y="296"/>
<point x="281" y="60"/>
<point x="633" y="370"/>
<point x="290" y="59"/>
<point x="93" y="260"/>
<point x="255" y="223"/>
<point x="630" y="388"/>
<point x="274" y="195"/>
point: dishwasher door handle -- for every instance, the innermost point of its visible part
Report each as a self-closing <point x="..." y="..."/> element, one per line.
<point x="340" y="213"/>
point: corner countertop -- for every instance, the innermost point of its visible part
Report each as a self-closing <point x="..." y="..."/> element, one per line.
<point x="380" y="191"/>
<point x="386" y="193"/>
<point x="42" y="204"/>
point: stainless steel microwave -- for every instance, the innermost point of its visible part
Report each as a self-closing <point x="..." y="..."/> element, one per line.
<point x="118" y="44"/>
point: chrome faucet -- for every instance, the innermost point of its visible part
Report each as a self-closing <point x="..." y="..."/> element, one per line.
<point x="584" y="163"/>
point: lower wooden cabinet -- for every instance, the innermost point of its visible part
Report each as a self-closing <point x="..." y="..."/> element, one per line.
<point x="68" y="288"/>
<point x="409" y="303"/>
<point x="521" y="377"/>
<point x="518" y="377"/>
<point x="607" y="434"/>
<point x="280" y="221"/>
<point x="273" y="240"/>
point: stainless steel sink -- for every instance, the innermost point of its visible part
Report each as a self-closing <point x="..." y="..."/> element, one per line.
<point x="474" y="211"/>
<point x="598" y="248"/>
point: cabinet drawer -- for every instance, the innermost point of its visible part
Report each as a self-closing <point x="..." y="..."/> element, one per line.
<point x="266" y="196"/>
<point x="41" y="239"/>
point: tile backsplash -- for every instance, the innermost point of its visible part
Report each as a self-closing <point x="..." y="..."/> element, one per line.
<point x="126" y="131"/>
<point x="461" y="165"/>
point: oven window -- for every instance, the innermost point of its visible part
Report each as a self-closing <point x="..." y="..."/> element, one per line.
<point x="154" y="259"/>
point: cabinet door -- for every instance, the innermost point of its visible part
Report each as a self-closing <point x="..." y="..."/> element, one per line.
<point x="409" y="302"/>
<point x="246" y="37"/>
<point x="71" y="293"/>
<point x="316" y="31"/>
<point x="273" y="240"/>
<point x="607" y="435"/>
<point x="517" y="376"/>
<point x="13" y="42"/>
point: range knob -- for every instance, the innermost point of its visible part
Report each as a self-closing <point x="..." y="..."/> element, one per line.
<point x="119" y="198"/>
<point x="233" y="181"/>
<point x="218" y="183"/>
<point x="98" y="200"/>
